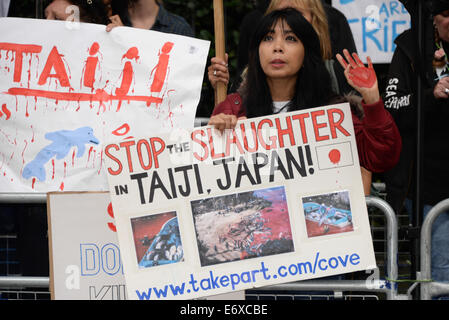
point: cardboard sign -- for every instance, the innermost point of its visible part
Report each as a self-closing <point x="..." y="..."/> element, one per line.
<point x="375" y="24"/>
<point x="278" y="199"/>
<point x="85" y="259"/>
<point x="64" y="90"/>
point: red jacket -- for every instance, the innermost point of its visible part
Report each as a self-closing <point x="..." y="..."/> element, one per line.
<point x="378" y="140"/>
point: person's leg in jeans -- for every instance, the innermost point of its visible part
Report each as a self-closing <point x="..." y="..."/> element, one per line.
<point x="440" y="246"/>
<point x="439" y="243"/>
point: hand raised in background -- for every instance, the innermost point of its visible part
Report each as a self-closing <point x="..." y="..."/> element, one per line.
<point x="218" y="71"/>
<point x="115" y="22"/>
<point x="361" y="78"/>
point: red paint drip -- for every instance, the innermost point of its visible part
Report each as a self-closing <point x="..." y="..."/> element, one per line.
<point x="6" y="111"/>
<point x="32" y="184"/>
<point x="29" y="70"/>
<point x="112" y="227"/>
<point x="111" y="214"/>
<point x="53" y="165"/>
<point x="90" y="151"/>
<point x="32" y="138"/>
<point x="110" y="210"/>
<point x="61" y="187"/>
<point x="101" y="162"/>
<point x="93" y="158"/>
<point x="23" y="152"/>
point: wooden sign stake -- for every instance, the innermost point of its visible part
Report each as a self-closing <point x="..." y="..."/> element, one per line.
<point x="220" y="50"/>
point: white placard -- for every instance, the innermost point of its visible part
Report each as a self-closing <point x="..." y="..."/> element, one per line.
<point x="85" y="259"/>
<point x="255" y="206"/>
<point x="66" y="88"/>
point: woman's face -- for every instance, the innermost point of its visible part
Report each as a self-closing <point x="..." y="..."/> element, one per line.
<point x="56" y="10"/>
<point x="301" y="8"/>
<point x="281" y="53"/>
<point x="442" y="23"/>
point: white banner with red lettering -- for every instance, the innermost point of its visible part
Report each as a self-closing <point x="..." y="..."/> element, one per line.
<point x="64" y="89"/>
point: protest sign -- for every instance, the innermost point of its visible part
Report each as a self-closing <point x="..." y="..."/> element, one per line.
<point x="85" y="260"/>
<point x="375" y="24"/>
<point x="278" y="199"/>
<point x="67" y="87"/>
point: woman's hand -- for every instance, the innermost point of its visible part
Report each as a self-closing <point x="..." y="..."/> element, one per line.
<point x="224" y="121"/>
<point x="361" y="78"/>
<point x="218" y="71"/>
<point x="441" y="89"/>
<point x="115" y="22"/>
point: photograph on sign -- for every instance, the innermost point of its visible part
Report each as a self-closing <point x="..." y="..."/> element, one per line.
<point x="242" y="226"/>
<point x="327" y="214"/>
<point x="157" y="239"/>
<point x="62" y="100"/>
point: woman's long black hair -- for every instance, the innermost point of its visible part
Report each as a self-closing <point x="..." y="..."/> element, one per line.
<point x="313" y="85"/>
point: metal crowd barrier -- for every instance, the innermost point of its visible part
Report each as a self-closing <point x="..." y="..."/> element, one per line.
<point x="388" y="287"/>
<point x="430" y="289"/>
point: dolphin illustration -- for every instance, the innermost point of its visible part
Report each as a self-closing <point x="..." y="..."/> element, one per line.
<point x="63" y="141"/>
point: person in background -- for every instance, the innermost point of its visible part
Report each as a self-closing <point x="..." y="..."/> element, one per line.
<point x="149" y="15"/>
<point x="246" y="32"/>
<point x="330" y="24"/>
<point x="107" y="4"/>
<point x="314" y="12"/>
<point x="93" y="11"/>
<point x="401" y="102"/>
<point x="284" y="70"/>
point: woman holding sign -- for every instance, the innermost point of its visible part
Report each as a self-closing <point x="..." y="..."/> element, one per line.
<point x="330" y="25"/>
<point x="286" y="72"/>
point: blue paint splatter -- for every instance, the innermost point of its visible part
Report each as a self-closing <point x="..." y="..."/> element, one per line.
<point x="63" y="141"/>
<point x="346" y="1"/>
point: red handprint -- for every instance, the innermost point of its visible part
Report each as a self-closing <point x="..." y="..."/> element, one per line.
<point x="356" y="72"/>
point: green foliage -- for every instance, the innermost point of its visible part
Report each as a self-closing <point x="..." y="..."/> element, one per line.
<point x="200" y="15"/>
